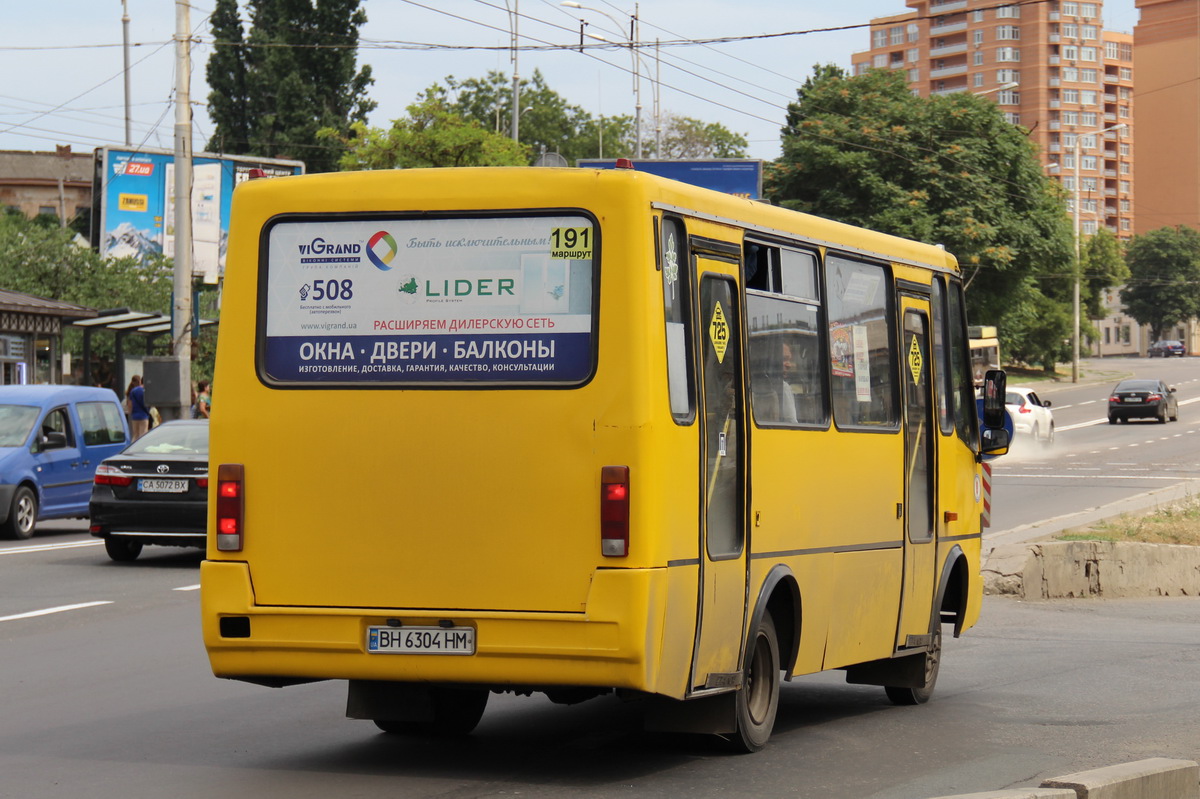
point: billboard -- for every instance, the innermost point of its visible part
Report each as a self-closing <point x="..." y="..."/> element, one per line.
<point x="738" y="176"/>
<point x="133" y="197"/>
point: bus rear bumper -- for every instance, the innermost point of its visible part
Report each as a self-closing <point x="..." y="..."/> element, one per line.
<point x="609" y="645"/>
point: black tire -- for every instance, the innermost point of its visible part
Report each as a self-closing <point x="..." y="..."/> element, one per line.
<point x="1112" y="420"/>
<point x="22" y="514"/>
<point x="1162" y="415"/>
<point x="758" y="699"/>
<point x="919" y="696"/>
<point x="122" y="550"/>
<point x="1050" y="438"/>
<point x="1175" y="416"/>
<point x="456" y="712"/>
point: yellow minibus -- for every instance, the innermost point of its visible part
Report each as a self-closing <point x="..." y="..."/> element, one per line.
<point x="582" y="431"/>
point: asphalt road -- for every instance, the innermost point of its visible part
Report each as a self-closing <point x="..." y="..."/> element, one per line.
<point x="117" y="700"/>
<point x="1095" y="470"/>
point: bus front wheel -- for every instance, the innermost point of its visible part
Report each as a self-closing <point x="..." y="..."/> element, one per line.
<point x="758" y="699"/>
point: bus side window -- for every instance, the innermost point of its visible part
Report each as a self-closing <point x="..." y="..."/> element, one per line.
<point x="787" y="385"/>
<point x="965" y="421"/>
<point x="862" y="357"/>
<point x="943" y="386"/>
<point x="677" y="310"/>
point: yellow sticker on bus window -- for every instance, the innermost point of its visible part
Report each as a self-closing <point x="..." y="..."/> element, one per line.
<point x="574" y="243"/>
<point x="914" y="359"/>
<point x="718" y="332"/>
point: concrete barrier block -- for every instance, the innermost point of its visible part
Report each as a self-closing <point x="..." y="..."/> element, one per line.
<point x="1079" y="569"/>
<point x="1154" y="778"/>
<point x="1009" y="568"/>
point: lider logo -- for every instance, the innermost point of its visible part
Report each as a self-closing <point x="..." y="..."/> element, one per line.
<point x="381" y="249"/>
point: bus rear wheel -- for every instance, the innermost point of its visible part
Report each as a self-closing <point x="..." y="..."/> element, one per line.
<point x="919" y="696"/>
<point x="456" y="712"/>
<point x="758" y="699"/>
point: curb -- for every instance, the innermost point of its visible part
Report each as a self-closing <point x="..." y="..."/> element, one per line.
<point x="1153" y="778"/>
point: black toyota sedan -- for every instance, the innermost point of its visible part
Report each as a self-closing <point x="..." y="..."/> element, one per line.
<point x="1142" y="399"/>
<point x="154" y="492"/>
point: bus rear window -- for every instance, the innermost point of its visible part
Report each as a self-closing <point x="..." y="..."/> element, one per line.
<point x="412" y="301"/>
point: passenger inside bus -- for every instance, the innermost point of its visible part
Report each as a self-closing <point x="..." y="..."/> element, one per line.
<point x="773" y="396"/>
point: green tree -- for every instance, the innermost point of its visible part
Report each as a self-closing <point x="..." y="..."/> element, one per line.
<point x="1164" y="277"/>
<point x="688" y="138"/>
<point x="229" y="101"/>
<point x="550" y="124"/>
<point x="1103" y="267"/>
<point x="431" y="136"/>
<point x="947" y="170"/>
<point x="293" y="73"/>
<point x="47" y="261"/>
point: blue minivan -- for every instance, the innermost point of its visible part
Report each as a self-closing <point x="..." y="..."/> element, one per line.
<point x="52" y="438"/>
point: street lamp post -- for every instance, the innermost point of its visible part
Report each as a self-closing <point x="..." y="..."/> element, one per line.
<point x="516" y="84"/>
<point x="1078" y="249"/>
<point x="637" y="75"/>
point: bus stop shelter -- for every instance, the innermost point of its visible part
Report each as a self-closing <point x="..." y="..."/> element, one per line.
<point x="123" y="322"/>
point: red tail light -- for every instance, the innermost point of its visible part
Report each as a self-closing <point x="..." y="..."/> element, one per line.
<point x="231" y="503"/>
<point x="614" y="511"/>
<point x="111" y="476"/>
<point x="1154" y="398"/>
<point x="1025" y="409"/>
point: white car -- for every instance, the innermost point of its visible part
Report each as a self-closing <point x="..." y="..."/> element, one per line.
<point x="1031" y="416"/>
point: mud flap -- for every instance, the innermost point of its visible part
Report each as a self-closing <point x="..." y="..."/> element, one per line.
<point x="715" y="714"/>
<point x="907" y="671"/>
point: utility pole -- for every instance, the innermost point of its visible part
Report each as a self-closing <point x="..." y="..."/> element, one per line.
<point x="181" y="317"/>
<point x="125" y="32"/>
<point x="516" y="89"/>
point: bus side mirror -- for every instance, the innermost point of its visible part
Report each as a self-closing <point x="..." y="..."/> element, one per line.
<point x="995" y="383"/>
<point x="995" y="437"/>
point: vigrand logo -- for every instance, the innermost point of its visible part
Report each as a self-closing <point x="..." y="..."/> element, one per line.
<point x="319" y="251"/>
<point x="381" y="249"/>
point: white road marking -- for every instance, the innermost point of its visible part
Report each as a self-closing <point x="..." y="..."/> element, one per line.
<point x="59" y="609"/>
<point x="195" y="587"/>
<point x="48" y="547"/>
<point x="1174" y="478"/>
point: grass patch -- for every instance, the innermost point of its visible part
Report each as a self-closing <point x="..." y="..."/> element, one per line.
<point x="1177" y="523"/>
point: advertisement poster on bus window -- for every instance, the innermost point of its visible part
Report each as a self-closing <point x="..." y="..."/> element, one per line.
<point x="841" y="347"/>
<point x="410" y="301"/>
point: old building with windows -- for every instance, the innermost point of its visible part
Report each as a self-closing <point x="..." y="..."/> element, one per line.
<point x="58" y="184"/>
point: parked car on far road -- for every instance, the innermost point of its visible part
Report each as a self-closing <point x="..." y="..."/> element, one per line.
<point x="1166" y="348"/>
<point x="155" y="492"/>
<point x="1030" y="414"/>
<point x="1142" y="399"/>
<point x="51" y="439"/>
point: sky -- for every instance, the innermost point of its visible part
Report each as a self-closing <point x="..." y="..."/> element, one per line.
<point x="63" y="60"/>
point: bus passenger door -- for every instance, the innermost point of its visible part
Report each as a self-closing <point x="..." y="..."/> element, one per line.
<point x="920" y="429"/>
<point x="716" y="661"/>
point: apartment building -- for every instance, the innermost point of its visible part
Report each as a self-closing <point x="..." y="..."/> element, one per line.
<point x="1168" y="111"/>
<point x="1054" y="71"/>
